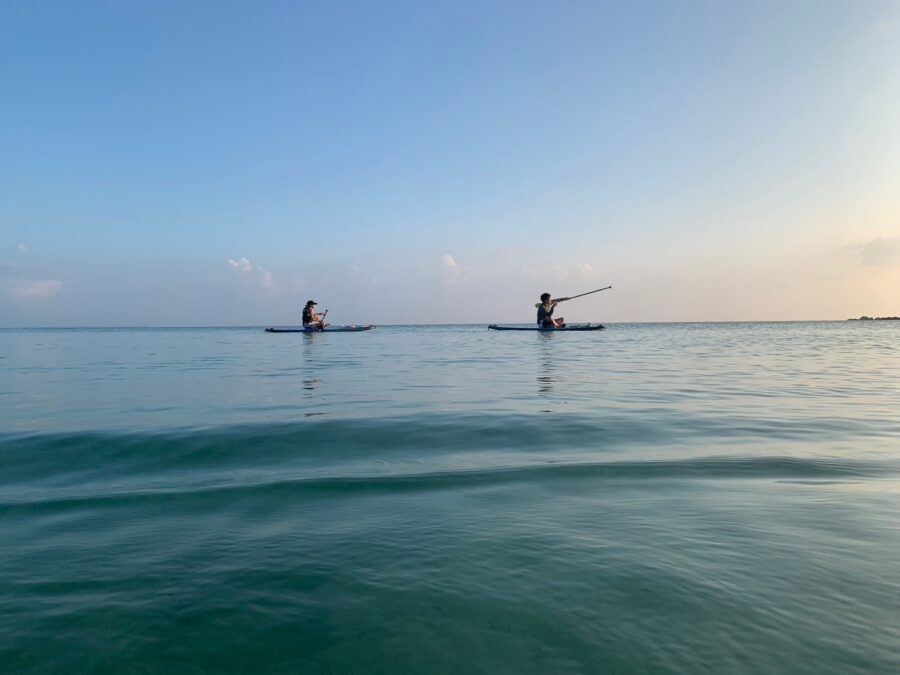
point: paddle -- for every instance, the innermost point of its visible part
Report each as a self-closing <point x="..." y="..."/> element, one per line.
<point x="321" y="321"/>
<point x="577" y="296"/>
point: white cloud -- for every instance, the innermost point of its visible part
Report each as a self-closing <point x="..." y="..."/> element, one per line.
<point x="265" y="278"/>
<point x="587" y="272"/>
<point x="244" y="266"/>
<point x="880" y="252"/>
<point x="22" y="248"/>
<point x="578" y="273"/>
<point x="451" y="272"/>
<point x="36" y="290"/>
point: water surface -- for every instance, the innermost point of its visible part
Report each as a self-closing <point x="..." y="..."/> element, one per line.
<point x="672" y="498"/>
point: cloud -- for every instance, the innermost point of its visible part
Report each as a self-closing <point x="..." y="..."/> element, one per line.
<point x="881" y="252"/>
<point x="36" y="290"/>
<point x="586" y="271"/>
<point x="244" y="266"/>
<point x="451" y="272"/>
<point x="265" y="277"/>
<point x="22" y="248"/>
<point x="568" y="274"/>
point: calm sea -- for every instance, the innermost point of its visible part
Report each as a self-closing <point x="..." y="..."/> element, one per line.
<point x="681" y="498"/>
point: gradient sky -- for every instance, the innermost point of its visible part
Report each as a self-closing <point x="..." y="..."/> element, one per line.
<point x="219" y="163"/>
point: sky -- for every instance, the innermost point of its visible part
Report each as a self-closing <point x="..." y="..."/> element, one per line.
<point x="221" y="163"/>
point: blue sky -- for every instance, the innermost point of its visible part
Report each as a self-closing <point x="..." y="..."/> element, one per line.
<point x="209" y="163"/>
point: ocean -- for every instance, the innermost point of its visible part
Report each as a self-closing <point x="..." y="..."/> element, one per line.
<point x="653" y="498"/>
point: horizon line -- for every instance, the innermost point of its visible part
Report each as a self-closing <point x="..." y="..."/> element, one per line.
<point x="404" y="325"/>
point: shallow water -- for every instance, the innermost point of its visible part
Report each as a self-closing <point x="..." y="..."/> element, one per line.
<point x="672" y="498"/>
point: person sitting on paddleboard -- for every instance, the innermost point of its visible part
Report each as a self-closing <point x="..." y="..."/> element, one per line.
<point x="311" y="319"/>
<point x="545" y="313"/>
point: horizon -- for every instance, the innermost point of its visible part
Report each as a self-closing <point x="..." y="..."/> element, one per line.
<point x="215" y="165"/>
<point x="438" y="325"/>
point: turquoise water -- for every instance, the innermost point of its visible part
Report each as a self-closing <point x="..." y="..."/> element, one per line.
<point x="673" y="498"/>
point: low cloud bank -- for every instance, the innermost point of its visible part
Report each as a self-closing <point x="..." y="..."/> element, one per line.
<point x="36" y="290"/>
<point x="881" y="252"/>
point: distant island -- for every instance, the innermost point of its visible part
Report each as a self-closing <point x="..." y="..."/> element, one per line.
<point x="876" y="318"/>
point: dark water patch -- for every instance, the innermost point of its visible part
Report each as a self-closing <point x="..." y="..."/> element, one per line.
<point x="433" y="449"/>
<point x="398" y="479"/>
<point x="420" y="433"/>
<point x="427" y="450"/>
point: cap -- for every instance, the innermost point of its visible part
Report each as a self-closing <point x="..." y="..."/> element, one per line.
<point x="310" y="302"/>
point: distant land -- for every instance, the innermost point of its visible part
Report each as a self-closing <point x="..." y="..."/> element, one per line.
<point x="876" y="318"/>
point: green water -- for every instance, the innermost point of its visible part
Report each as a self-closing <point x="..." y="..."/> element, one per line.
<point x="698" y="498"/>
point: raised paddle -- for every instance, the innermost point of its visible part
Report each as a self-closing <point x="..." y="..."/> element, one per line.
<point x="577" y="296"/>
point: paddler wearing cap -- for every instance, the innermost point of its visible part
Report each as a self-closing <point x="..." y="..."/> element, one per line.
<point x="545" y="312"/>
<point x="311" y="319"/>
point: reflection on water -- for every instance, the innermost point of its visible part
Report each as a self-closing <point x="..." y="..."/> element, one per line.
<point x="548" y="376"/>
<point x="545" y="383"/>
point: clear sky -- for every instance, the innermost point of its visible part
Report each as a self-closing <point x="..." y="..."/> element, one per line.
<point x="219" y="163"/>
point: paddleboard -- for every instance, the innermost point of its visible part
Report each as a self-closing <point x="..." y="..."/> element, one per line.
<point x="540" y="329"/>
<point x="327" y="329"/>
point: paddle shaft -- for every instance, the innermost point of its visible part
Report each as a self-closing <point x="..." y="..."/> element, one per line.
<point x="322" y="318"/>
<point x="578" y="296"/>
<point x="583" y="294"/>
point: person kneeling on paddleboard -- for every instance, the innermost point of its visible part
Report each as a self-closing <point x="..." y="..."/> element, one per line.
<point x="311" y="319"/>
<point x="545" y="313"/>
